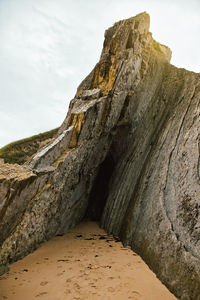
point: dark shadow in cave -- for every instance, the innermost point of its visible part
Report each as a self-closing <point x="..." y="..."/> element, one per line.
<point x="99" y="192"/>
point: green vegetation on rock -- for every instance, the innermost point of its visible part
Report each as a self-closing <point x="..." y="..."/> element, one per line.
<point x="156" y="46"/>
<point x="20" y="151"/>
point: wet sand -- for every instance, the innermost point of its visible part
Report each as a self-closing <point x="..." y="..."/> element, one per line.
<point x="83" y="264"/>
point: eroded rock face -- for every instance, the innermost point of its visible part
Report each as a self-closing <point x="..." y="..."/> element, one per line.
<point x="127" y="154"/>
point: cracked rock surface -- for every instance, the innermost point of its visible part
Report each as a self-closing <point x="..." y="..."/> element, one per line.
<point x="127" y="154"/>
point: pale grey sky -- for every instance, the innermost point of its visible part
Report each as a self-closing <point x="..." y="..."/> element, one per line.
<point x="49" y="46"/>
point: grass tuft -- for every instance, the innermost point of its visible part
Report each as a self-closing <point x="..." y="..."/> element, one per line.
<point x="20" y="151"/>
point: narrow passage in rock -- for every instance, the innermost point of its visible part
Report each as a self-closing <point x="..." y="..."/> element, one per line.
<point x="85" y="263"/>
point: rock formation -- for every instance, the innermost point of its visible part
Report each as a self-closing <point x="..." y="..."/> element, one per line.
<point x="127" y="154"/>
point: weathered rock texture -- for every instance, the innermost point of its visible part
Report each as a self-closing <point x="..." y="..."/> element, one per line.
<point x="127" y="154"/>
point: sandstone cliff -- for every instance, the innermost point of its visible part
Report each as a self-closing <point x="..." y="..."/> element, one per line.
<point x="127" y="154"/>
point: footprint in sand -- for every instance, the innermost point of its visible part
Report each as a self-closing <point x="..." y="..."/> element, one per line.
<point x="135" y="292"/>
<point x="67" y="292"/>
<point x="81" y="271"/>
<point x="93" y="280"/>
<point x="81" y="265"/>
<point x="77" y="286"/>
<point x="86" y="273"/>
<point x="58" y="267"/>
<point x="43" y="283"/>
<point x="93" y="293"/>
<point x="111" y="289"/>
<point x="135" y="295"/>
<point x="46" y="258"/>
<point x="41" y="294"/>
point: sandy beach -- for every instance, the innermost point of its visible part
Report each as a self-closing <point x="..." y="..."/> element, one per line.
<point x="84" y="263"/>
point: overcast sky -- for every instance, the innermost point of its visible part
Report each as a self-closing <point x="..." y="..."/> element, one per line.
<point x="47" y="47"/>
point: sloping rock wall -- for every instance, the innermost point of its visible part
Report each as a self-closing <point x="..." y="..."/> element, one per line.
<point x="127" y="154"/>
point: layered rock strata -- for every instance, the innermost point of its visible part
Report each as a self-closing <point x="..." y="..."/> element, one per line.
<point x="127" y="154"/>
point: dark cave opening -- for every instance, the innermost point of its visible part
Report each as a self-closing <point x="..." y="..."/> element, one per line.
<point x="100" y="189"/>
